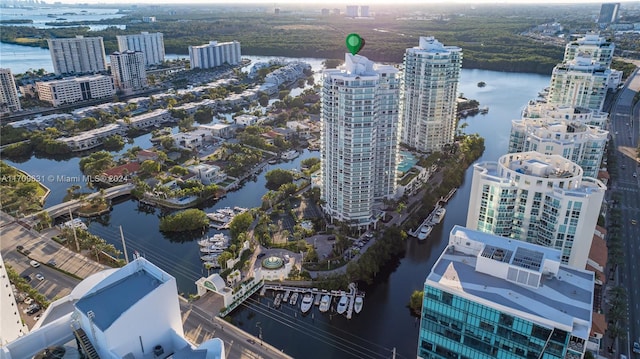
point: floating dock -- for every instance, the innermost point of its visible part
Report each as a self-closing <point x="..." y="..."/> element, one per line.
<point x="351" y="293"/>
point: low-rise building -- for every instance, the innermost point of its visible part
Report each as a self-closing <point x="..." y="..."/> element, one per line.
<point x="148" y="119"/>
<point x="221" y="130"/>
<point x="246" y="120"/>
<point x="207" y="174"/>
<point x="144" y="155"/>
<point x="300" y="128"/>
<point x="193" y="139"/>
<point x="93" y="138"/>
<point x="76" y="89"/>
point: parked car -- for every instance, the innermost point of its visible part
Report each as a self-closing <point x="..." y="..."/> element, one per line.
<point x="52" y="263"/>
<point x="261" y="255"/>
<point x="27" y="277"/>
<point x="636" y="347"/>
<point x="35" y="264"/>
<point x="28" y="300"/>
<point x="34" y="310"/>
<point x="19" y="248"/>
<point x="39" y="277"/>
<point x="26" y="252"/>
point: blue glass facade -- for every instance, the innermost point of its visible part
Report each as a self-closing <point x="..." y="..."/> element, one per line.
<point x="454" y="327"/>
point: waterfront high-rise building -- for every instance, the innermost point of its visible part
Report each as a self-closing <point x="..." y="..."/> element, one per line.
<point x="580" y="82"/>
<point x="489" y="297"/>
<point x="591" y="45"/>
<point x="537" y="198"/>
<point x="9" y="100"/>
<point x="79" y="55"/>
<point x="151" y="45"/>
<point x="352" y="11"/>
<point x="609" y="13"/>
<point x="128" y="72"/>
<point x="429" y="92"/>
<point x="214" y="54"/>
<point x="566" y="131"/>
<point x="359" y="139"/>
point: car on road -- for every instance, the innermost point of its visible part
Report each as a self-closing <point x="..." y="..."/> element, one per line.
<point x="635" y="175"/>
<point x="39" y="277"/>
<point x="251" y="341"/>
<point x="34" y="264"/>
<point x="636" y="347"/>
<point x="634" y="222"/>
<point x="331" y="238"/>
<point x="261" y="255"/>
<point x="52" y="263"/>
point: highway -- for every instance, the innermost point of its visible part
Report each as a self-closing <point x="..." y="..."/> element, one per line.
<point x="625" y="127"/>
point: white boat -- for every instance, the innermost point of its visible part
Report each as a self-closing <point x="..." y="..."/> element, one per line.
<point x="218" y="239"/>
<point x="211" y="249"/>
<point x="425" y="231"/>
<point x="325" y="303"/>
<point x="74" y="223"/>
<point x="294" y="298"/>
<point x="209" y="257"/>
<point x="289" y="155"/>
<point x="286" y="296"/>
<point x="277" y="301"/>
<point x="307" y="302"/>
<point x="342" y="304"/>
<point x="439" y="215"/>
<point x="357" y="305"/>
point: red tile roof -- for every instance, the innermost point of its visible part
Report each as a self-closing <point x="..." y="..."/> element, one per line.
<point x="131" y="167"/>
<point x="598" y="251"/>
<point x="598" y="324"/>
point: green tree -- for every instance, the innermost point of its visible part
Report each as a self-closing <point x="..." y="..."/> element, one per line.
<point x="278" y="177"/>
<point x="415" y="302"/>
<point x="187" y="220"/>
<point x="240" y="224"/>
<point x="149" y="167"/>
<point x="87" y="123"/>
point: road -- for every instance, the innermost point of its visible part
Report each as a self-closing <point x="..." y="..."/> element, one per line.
<point x="625" y="126"/>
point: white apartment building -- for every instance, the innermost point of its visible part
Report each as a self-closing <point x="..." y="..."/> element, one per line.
<point x="207" y="174"/>
<point x="12" y="326"/>
<point x="597" y="47"/>
<point x="214" y="54"/>
<point x="359" y="138"/>
<point x="151" y="45"/>
<point x="93" y="138"/>
<point x="429" y="92"/>
<point x="564" y="131"/>
<point x="128" y="312"/>
<point x="79" y="55"/>
<point x="537" y="198"/>
<point x="9" y="100"/>
<point x="128" y="72"/>
<point x="580" y="82"/>
<point x="487" y="297"/>
<point x="71" y="90"/>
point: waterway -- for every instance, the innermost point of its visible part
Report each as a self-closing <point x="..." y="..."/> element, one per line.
<point x="41" y="16"/>
<point x="385" y="322"/>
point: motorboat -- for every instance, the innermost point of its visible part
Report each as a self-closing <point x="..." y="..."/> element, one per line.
<point x="209" y="257"/>
<point x="286" y="296"/>
<point x="307" y="302"/>
<point x="211" y="249"/>
<point x="325" y="303"/>
<point x="211" y="264"/>
<point x="289" y="155"/>
<point x="218" y="239"/>
<point x="357" y="304"/>
<point x="294" y="298"/>
<point x="425" y="231"/>
<point x="342" y="304"/>
<point x="440" y="214"/>
<point x="277" y="301"/>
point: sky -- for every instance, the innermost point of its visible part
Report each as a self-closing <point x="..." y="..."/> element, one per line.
<point x="328" y="3"/>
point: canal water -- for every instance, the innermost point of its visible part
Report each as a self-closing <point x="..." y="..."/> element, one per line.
<point x="385" y="322"/>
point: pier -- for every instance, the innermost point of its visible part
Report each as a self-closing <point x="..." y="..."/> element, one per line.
<point x="335" y="295"/>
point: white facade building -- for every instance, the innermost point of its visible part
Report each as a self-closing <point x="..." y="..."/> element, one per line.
<point x="537" y="198"/>
<point x="71" y="90"/>
<point x="11" y="325"/>
<point x="79" y="55"/>
<point x="429" y="92"/>
<point x="592" y="44"/>
<point x="359" y="138"/>
<point x="565" y="131"/>
<point x="580" y="82"/>
<point x="214" y="54"/>
<point x="207" y="174"/>
<point x="93" y="138"/>
<point x="151" y="45"/>
<point x="129" y="312"/>
<point x="9" y="100"/>
<point x="128" y="71"/>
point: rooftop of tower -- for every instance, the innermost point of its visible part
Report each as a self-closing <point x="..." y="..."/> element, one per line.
<point x="517" y="277"/>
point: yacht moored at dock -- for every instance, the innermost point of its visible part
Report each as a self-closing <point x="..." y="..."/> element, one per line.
<point x="342" y="304"/>
<point x="325" y="303"/>
<point x="424" y="232"/>
<point x="357" y="305"/>
<point x="277" y="301"/>
<point x="294" y="298"/>
<point x="307" y="302"/>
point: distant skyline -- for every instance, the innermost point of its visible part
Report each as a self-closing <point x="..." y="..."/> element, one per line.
<point x="332" y="4"/>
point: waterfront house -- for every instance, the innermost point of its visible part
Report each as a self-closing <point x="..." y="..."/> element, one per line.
<point x="207" y="174"/>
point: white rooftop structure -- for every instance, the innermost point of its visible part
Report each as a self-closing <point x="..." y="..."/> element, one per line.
<point x="523" y="279"/>
<point x="130" y="312"/>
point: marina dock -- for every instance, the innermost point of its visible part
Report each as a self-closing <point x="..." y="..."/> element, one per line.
<point x="335" y="295"/>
